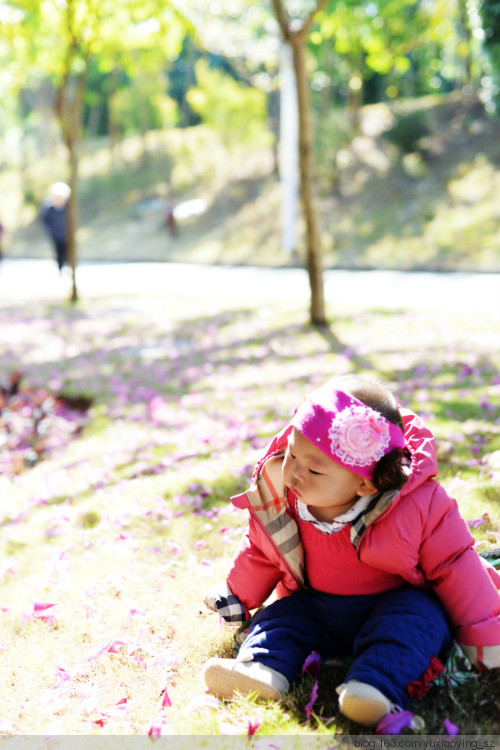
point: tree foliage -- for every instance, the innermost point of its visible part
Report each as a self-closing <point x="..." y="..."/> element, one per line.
<point x="56" y="39"/>
<point x="143" y="105"/>
<point x="411" y="48"/>
<point x="490" y="17"/>
<point x="236" y="110"/>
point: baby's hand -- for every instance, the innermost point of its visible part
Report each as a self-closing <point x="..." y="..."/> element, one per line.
<point x="221" y="599"/>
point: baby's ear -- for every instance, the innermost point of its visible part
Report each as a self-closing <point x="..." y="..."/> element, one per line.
<point x="366" y="487"/>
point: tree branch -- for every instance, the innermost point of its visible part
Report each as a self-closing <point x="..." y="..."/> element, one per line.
<point x="307" y="23"/>
<point x="282" y="19"/>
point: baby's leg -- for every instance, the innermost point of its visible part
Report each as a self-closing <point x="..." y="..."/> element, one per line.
<point x="395" y="646"/>
<point x="284" y="634"/>
<point x="273" y="653"/>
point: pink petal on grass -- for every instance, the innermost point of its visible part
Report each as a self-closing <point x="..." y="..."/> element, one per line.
<point x="475" y="523"/>
<point x="450" y="728"/>
<point x="155" y="730"/>
<point x="41" y="606"/>
<point x="479" y="521"/>
<point x="62" y="676"/>
<point x="136" y="613"/>
<point x="115" y="647"/>
<point x="118" y="709"/>
<point x="206" y="568"/>
<point x="312" y="664"/>
<point x="394" y="723"/>
<point x="165" y="701"/>
<point x="140" y="661"/>
<point x="253" y="725"/>
<point x="312" y="699"/>
<point x="40" y="612"/>
<point x="202" y="702"/>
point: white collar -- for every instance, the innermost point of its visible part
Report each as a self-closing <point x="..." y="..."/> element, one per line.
<point x="330" y="527"/>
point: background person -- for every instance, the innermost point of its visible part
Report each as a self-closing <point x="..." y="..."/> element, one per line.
<point x="53" y="214"/>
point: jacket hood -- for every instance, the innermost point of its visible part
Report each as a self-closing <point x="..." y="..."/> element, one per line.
<point x="420" y="442"/>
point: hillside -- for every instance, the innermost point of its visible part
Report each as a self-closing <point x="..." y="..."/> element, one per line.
<point x="439" y="209"/>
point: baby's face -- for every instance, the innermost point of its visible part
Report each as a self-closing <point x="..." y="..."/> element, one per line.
<point x="326" y="487"/>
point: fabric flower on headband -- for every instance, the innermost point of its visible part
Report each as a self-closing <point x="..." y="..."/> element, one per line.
<point x="347" y="430"/>
<point x="359" y="436"/>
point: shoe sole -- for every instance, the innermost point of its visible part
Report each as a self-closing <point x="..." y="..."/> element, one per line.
<point x="224" y="683"/>
<point x="363" y="711"/>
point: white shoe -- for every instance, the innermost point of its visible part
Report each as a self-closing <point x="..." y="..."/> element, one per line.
<point x="224" y="677"/>
<point x="363" y="703"/>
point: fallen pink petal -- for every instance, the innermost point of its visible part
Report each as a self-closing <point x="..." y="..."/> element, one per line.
<point x="166" y="699"/>
<point x="115" y="647"/>
<point x="312" y="664"/>
<point x="394" y="723"/>
<point x="312" y="699"/>
<point x="155" y="729"/>
<point x="476" y="522"/>
<point x="253" y="725"/>
<point x="202" y="702"/>
<point x="41" y="606"/>
<point x="450" y="728"/>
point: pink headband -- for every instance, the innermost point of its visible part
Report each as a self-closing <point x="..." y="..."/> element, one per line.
<point x="346" y="430"/>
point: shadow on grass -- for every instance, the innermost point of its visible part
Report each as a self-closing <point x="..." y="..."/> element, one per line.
<point x="182" y="355"/>
<point x="172" y="374"/>
<point x="125" y="361"/>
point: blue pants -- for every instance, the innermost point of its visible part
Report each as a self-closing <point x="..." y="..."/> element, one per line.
<point x="391" y="636"/>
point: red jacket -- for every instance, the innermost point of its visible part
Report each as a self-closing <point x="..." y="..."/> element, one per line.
<point x="416" y="533"/>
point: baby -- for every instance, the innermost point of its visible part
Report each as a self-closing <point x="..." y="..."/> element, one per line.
<point x="368" y="554"/>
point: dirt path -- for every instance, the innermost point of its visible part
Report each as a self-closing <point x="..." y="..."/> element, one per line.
<point x="37" y="279"/>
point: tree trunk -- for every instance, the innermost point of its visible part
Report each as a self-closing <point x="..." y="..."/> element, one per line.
<point x="313" y="240"/>
<point x="69" y="112"/>
<point x="72" y="147"/>
<point x="297" y="40"/>
<point x="116" y="157"/>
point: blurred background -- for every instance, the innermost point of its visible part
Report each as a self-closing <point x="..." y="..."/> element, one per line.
<point x="167" y="121"/>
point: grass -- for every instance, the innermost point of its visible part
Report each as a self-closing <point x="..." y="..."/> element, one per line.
<point x="123" y="528"/>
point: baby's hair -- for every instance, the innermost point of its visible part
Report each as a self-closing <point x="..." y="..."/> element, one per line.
<point x="391" y="471"/>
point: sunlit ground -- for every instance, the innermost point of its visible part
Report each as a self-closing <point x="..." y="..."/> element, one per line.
<point x="112" y="532"/>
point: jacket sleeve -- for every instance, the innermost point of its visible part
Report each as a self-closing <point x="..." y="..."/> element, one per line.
<point x="253" y="575"/>
<point x="459" y="577"/>
<point x="220" y="599"/>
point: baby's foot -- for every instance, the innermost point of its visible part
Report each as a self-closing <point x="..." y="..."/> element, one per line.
<point x="224" y="677"/>
<point x="363" y="703"/>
